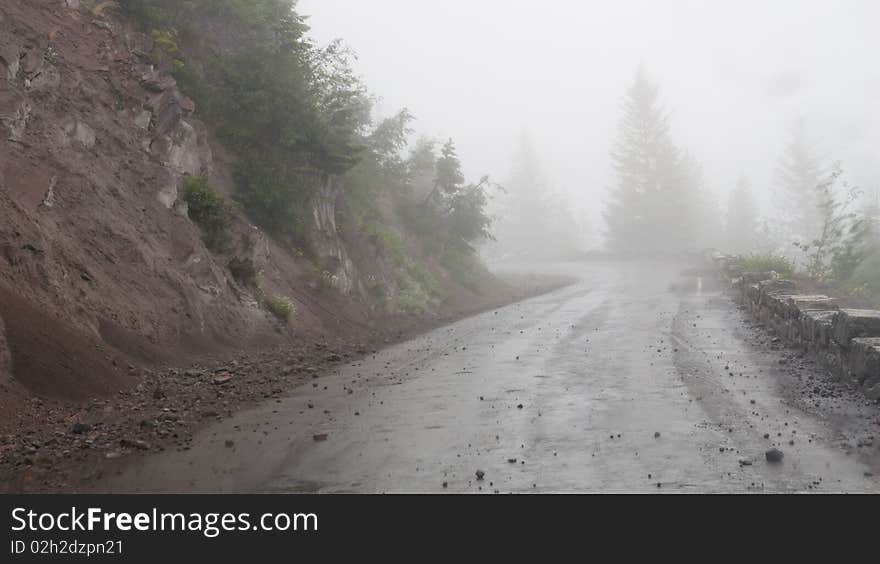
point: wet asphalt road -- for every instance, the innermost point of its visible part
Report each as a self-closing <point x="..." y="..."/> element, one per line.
<point x="641" y="377"/>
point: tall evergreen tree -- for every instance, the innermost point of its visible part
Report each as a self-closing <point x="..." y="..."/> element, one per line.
<point x="799" y="174"/>
<point x="654" y="201"/>
<point x="534" y="220"/>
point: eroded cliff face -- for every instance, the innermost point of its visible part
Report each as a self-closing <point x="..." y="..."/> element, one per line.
<point x="96" y="247"/>
<point x="94" y="144"/>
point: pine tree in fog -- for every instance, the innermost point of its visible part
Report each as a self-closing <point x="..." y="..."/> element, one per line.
<point x="522" y="216"/>
<point x="799" y="174"/>
<point x="654" y="204"/>
<point x="534" y="220"/>
<point x="742" y="219"/>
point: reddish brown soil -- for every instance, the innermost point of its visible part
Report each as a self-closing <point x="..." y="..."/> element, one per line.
<point x="108" y="295"/>
<point x="49" y="444"/>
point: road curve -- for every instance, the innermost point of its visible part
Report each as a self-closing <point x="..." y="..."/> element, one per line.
<point x="641" y="377"/>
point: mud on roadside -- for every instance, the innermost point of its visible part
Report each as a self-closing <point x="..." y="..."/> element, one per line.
<point x="62" y="445"/>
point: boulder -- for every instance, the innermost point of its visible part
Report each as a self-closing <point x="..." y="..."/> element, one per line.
<point x="852" y="323"/>
<point x="156" y="82"/>
<point x="143" y="119"/>
<point x="339" y="270"/>
<point x="864" y="360"/>
<point x="249" y="257"/>
<point x="816" y="328"/>
<point x="795" y="304"/>
<point x="768" y="288"/>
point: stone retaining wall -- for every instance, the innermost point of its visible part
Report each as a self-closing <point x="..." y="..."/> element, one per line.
<point x="846" y="341"/>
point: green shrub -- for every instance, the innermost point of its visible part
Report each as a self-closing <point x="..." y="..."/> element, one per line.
<point x="208" y="210"/>
<point x="281" y="307"/>
<point x="464" y="267"/>
<point x="166" y="41"/>
<point x="779" y="264"/>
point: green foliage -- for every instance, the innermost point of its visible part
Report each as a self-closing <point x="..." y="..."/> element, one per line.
<point x="841" y="244"/>
<point x="418" y="288"/>
<point x="464" y="267"/>
<point x="292" y="111"/>
<point x="296" y="115"/>
<point x="281" y="307"/>
<point x="166" y="41"/>
<point x="655" y="203"/>
<point x="414" y="299"/>
<point x="454" y="213"/>
<point x="767" y="262"/>
<point x="207" y="209"/>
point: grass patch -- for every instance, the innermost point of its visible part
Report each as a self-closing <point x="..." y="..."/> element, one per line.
<point x="208" y="210"/>
<point x="281" y="307"/>
<point x="779" y="264"/>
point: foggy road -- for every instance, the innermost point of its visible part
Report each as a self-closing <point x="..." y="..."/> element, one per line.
<point x="638" y="378"/>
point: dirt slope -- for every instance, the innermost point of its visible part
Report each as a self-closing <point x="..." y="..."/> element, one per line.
<point x="108" y="294"/>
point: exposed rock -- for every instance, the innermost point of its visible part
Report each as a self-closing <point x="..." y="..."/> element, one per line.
<point x="14" y="115"/>
<point x="135" y="443"/>
<point x="143" y="119"/>
<point x="80" y="133"/>
<point x="852" y="323"/>
<point x="187" y="104"/>
<point x="103" y="25"/>
<point x="221" y="378"/>
<point x="156" y="83"/>
<point x="249" y="257"/>
<point x="864" y="360"/>
<point x="816" y="327"/>
<point x="80" y="428"/>
<point x="325" y="240"/>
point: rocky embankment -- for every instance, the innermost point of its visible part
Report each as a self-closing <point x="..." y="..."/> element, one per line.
<point x="845" y="340"/>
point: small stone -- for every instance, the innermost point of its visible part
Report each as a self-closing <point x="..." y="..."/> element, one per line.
<point x="774" y="455"/>
<point x="480" y="474"/>
<point x="80" y="428"/>
<point x="511" y="460"/>
<point x="320" y="437"/>
<point x="229" y="444"/>
<point x="656" y="434"/>
<point x="135" y="443"/>
<point x="222" y="378"/>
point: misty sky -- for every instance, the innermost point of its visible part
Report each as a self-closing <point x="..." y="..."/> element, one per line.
<point x="735" y="75"/>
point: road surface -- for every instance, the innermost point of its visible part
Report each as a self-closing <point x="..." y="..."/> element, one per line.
<point x="641" y="377"/>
